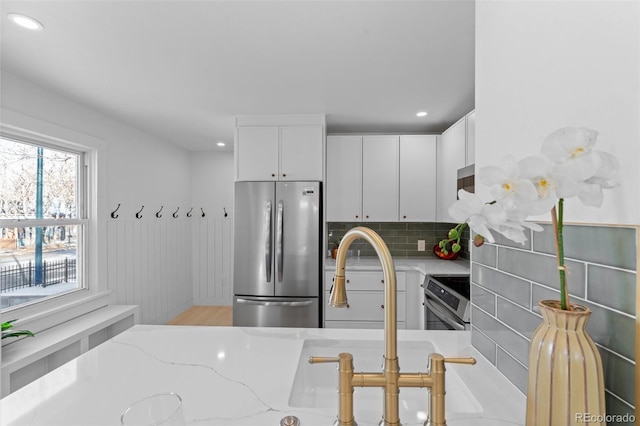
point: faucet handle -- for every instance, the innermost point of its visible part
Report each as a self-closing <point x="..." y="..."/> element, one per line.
<point x="465" y="360"/>
<point x="323" y="359"/>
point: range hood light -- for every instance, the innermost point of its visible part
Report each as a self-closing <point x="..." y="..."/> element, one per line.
<point x="421" y="114"/>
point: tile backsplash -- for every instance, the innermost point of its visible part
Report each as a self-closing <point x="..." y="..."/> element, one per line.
<point x="401" y="237"/>
<point x="509" y="279"/>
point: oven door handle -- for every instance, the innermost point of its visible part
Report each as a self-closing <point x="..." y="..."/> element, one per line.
<point x="443" y="316"/>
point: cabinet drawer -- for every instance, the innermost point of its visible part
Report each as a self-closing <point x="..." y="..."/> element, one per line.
<point x="379" y="325"/>
<point x="367" y="280"/>
<point x="364" y="306"/>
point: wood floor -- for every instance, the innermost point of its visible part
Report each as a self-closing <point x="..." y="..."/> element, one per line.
<point x="204" y="315"/>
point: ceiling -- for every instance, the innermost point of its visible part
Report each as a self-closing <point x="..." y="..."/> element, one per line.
<point x="182" y="70"/>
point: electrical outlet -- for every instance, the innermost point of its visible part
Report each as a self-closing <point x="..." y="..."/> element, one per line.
<point x="421" y="245"/>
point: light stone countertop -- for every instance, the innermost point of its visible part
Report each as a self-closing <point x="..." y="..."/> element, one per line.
<point x="427" y="265"/>
<point x="237" y="376"/>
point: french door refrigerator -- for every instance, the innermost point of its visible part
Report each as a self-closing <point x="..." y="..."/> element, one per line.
<point x="277" y="262"/>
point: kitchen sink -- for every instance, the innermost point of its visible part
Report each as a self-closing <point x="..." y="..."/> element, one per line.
<point x="316" y="385"/>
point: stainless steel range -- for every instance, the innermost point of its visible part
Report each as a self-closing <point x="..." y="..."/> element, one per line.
<point x="446" y="302"/>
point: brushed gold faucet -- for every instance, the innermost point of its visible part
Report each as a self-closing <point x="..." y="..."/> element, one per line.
<point x="390" y="378"/>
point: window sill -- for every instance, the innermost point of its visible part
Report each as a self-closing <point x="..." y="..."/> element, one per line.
<point x="29" y="358"/>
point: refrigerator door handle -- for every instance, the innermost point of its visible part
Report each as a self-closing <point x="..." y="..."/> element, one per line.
<point x="279" y="230"/>
<point x="267" y="240"/>
<point x="273" y="303"/>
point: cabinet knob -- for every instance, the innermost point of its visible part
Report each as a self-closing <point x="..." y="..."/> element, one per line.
<point x="382" y="281"/>
<point x="284" y="175"/>
<point x="381" y="306"/>
<point x="357" y="216"/>
<point x="367" y="216"/>
<point x="404" y="216"/>
<point x="348" y="281"/>
<point x="273" y="175"/>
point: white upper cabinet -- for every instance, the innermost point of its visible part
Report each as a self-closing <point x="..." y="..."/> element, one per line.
<point x="455" y="151"/>
<point x="301" y="153"/>
<point x="279" y="148"/>
<point x="344" y="178"/>
<point x="418" y="178"/>
<point x="380" y="178"/>
<point x="257" y="152"/>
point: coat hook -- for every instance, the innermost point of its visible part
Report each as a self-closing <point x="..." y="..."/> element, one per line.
<point x="224" y="209"/>
<point x="202" y="211"/>
<point x="138" y="215"/>
<point x="189" y="212"/>
<point x="175" y="214"/>
<point x="158" y="215"/>
<point x="113" y="213"/>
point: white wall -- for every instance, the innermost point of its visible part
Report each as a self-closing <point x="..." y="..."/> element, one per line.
<point x="147" y="260"/>
<point x="545" y="65"/>
<point x="212" y="190"/>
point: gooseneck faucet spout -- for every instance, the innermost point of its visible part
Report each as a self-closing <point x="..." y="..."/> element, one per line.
<point x="390" y="378"/>
<point x="338" y="297"/>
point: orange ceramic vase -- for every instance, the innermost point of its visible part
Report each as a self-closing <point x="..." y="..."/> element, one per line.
<point x="566" y="384"/>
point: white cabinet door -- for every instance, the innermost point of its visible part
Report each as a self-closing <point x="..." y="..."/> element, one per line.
<point x="380" y="178"/>
<point x="451" y="157"/>
<point x="344" y="178"/>
<point x="257" y="156"/>
<point x="418" y="178"/>
<point x="301" y="153"/>
<point x="471" y="138"/>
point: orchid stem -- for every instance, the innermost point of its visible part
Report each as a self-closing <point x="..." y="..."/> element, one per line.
<point x="556" y="218"/>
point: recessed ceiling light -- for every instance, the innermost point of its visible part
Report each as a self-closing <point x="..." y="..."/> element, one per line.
<point x="220" y="144"/>
<point x="421" y="114"/>
<point x="25" y="22"/>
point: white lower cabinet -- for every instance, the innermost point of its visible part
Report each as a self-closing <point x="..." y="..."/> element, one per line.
<point x="366" y="305"/>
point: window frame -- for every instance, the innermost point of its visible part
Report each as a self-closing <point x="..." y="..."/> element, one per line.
<point x="81" y="221"/>
<point x="51" y="311"/>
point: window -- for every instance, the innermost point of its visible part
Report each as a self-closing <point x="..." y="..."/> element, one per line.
<point x="43" y="222"/>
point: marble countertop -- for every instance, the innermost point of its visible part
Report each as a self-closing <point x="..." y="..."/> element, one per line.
<point x="424" y="265"/>
<point x="233" y="376"/>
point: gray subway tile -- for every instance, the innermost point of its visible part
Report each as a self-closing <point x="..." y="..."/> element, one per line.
<point x="513" y="370"/>
<point x="483" y="299"/>
<point x="606" y="245"/>
<point x="612" y="287"/>
<point x="541" y="269"/>
<point x="486" y="255"/>
<point x="521" y="320"/>
<point x="508" y="286"/>
<point x="517" y="345"/>
<point x="618" y="376"/>
<point x="504" y="241"/>
<point x="616" y="407"/>
<point x="484" y="345"/>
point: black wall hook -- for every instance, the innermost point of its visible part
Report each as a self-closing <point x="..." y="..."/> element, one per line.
<point x="189" y="212"/>
<point x="158" y="215"/>
<point x="224" y="209"/>
<point x="202" y="211"/>
<point x="175" y="214"/>
<point x="138" y="214"/>
<point x="113" y="213"/>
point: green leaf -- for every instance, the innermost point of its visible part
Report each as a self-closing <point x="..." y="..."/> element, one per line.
<point x="18" y="334"/>
<point x="7" y="325"/>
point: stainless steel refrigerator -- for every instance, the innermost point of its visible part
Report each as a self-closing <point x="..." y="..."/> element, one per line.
<point x="277" y="262"/>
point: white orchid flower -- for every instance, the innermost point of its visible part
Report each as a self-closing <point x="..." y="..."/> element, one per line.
<point x="607" y="176"/>
<point x="479" y="216"/>
<point x="580" y="171"/>
<point x="570" y="150"/>
<point x="538" y="170"/>
<point x="508" y="187"/>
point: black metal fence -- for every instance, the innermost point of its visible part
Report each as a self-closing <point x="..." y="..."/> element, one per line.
<point x="53" y="272"/>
